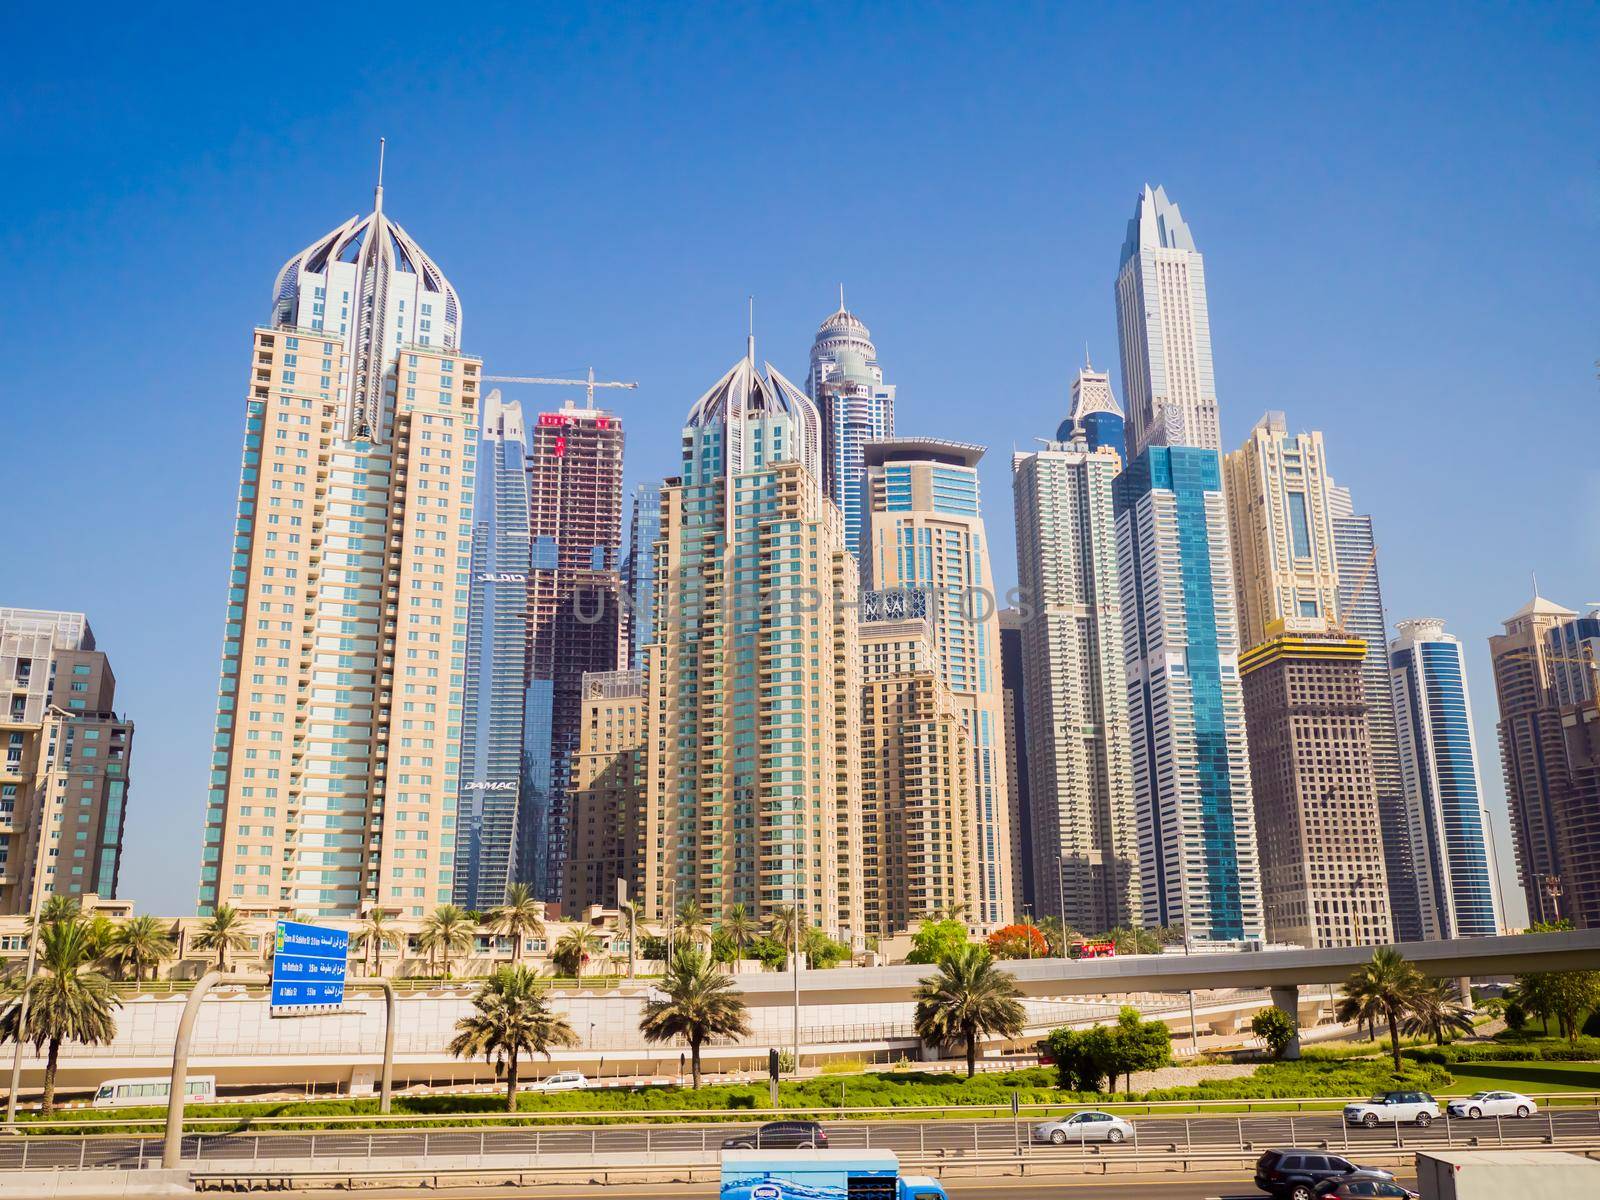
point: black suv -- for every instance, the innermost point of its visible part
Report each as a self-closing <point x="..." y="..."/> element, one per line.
<point x="780" y="1135"/>
<point x="1295" y="1173"/>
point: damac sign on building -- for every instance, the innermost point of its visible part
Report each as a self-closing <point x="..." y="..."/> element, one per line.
<point x="499" y="785"/>
<point x="501" y="577"/>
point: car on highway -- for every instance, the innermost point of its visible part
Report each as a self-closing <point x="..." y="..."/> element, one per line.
<point x="1296" y="1174"/>
<point x="561" y="1081"/>
<point x="1492" y="1104"/>
<point x="780" y="1135"/>
<point x="1364" y="1185"/>
<point x="1084" y="1127"/>
<point x="1414" y="1108"/>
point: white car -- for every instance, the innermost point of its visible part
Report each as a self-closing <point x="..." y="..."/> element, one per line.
<point x="561" y="1081"/>
<point x="1493" y="1104"/>
<point x="1415" y="1108"/>
<point x="1083" y="1127"/>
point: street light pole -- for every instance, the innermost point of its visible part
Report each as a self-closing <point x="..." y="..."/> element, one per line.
<point x="796" y="954"/>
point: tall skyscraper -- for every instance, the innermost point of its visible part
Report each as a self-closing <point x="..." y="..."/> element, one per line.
<point x="1085" y="850"/>
<point x="1574" y="654"/>
<point x="754" y="678"/>
<point x="1165" y="331"/>
<point x="916" y="794"/>
<point x="1361" y="613"/>
<point x="1529" y="659"/>
<point x="575" y="622"/>
<point x="335" y="768"/>
<point x="924" y="529"/>
<point x="856" y="407"/>
<point x="1285" y="564"/>
<point x="495" y="775"/>
<point x="1014" y="699"/>
<point x="1450" y="839"/>
<point x="607" y="809"/>
<point x="639" y="570"/>
<point x="1196" y="820"/>
<point x="1320" y="843"/>
<point x="64" y="779"/>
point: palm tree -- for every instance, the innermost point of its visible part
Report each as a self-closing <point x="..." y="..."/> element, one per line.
<point x="574" y="948"/>
<point x="1057" y="935"/>
<point x="445" y="931"/>
<point x="1384" y="987"/>
<point x="700" y="1003"/>
<point x="969" y="997"/>
<point x="955" y="911"/>
<point x="140" y="942"/>
<point x="512" y="1019"/>
<point x="630" y="913"/>
<point x="55" y="909"/>
<point x="376" y="933"/>
<point x="783" y="923"/>
<point x="69" y="999"/>
<point x="1437" y="1011"/>
<point x="519" y="917"/>
<point x="222" y="932"/>
<point x="740" y="928"/>
<point x="692" y="924"/>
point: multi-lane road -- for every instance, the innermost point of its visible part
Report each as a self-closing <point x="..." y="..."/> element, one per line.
<point x="948" y="1140"/>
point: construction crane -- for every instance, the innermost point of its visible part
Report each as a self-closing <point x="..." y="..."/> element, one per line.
<point x="590" y="383"/>
<point x="1343" y="615"/>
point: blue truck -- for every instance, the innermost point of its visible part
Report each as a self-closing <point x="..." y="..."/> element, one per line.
<point x="822" y="1175"/>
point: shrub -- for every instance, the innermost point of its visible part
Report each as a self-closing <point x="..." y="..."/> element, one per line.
<point x="1516" y="1017"/>
<point x="1585" y="1049"/>
<point x="1275" y="1028"/>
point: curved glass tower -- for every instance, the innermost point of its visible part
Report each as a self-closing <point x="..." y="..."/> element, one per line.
<point x="856" y="407"/>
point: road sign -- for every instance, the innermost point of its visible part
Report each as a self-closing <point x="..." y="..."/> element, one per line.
<point x="308" y="965"/>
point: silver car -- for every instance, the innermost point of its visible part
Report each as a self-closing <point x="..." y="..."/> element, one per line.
<point x="1493" y="1104"/>
<point x="1084" y="1127"/>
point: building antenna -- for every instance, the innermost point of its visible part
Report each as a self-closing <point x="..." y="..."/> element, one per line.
<point x="841" y="298"/>
<point x="750" y="342"/>
<point x="1535" y="584"/>
<point x="1088" y="363"/>
<point x="378" y="194"/>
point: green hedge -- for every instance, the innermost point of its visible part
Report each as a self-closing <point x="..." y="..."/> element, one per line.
<point x="1584" y="1050"/>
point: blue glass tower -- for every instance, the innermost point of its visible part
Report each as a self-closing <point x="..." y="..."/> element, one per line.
<point x="639" y="570"/>
<point x="1095" y="417"/>
<point x="1451" y="848"/>
<point x="1196" y="821"/>
<point x="855" y="406"/>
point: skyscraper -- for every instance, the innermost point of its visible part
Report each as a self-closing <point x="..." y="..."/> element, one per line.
<point x="1165" y="331"/>
<point x="1081" y="789"/>
<point x="335" y="769"/>
<point x="639" y="570"/>
<point x="1361" y="613"/>
<point x="924" y="529"/>
<point x="1574" y="651"/>
<point x="754" y="676"/>
<point x="916" y="795"/>
<point x="1285" y="564"/>
<point x="607" y="799"/>
<point x="1321" y="846"/>
<point x="1530" y="657"/>
<point x="1195" y="817"/>
<point x="574" y="613"/>
<point x="856" y="407"/>
<point x="1095" y="417"/>
<point x="64" y="779"/>
<point x="1450" y="843"/>
<point x="1014" y="699"/>
<point x="495" y="774"/>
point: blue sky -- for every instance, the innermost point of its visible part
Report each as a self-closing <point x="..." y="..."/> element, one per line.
<point x="1399" y="207"/>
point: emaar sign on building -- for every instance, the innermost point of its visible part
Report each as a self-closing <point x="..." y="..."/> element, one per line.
<point x="308" y="966"/>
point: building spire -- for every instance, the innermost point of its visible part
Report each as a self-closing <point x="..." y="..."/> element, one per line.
<point x="377" y="198"/>
<point x="841" y="298"/>
<point x="750" y="341"/>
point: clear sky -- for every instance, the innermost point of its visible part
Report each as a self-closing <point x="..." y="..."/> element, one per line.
<point x="1399" y="207"/>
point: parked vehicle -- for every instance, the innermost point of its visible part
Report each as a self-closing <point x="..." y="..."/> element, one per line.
<point x="561" y="1081"/>
<point x="1083" y="1127"/>
<point x="819" y="1174"/>
<point x="1493" y="1174"/>
<point x="1417" y="1108"/>
<point x="118" y="1093"/>
<point x="780" y="1135"/>
<point x="1361" y="1186"/>
<point x="1295" y="1174"/>
<point x="1492" y="1104"/>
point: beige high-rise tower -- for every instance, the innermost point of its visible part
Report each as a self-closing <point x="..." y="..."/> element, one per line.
<point x="1285" y="564"/>
<point x="335" y="763"/>
<point x="924" y="530"/>
<point x="753" y="679"/>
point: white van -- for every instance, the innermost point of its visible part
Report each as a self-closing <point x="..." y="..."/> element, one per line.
<point x="117" y="1093"/>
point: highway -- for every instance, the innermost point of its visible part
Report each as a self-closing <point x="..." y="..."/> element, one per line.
<point x="949" y="1140"/>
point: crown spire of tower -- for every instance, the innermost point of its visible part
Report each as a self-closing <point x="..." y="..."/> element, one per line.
<point x="750" y="339"/>
<point x="377" y="196"/>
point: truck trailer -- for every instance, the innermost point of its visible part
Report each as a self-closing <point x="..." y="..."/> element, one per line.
<point x="1499" y="1174"/>
<point x="822" y="1175"/>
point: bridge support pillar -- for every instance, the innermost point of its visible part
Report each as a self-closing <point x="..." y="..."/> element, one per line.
<point x="1287" y="1000"/>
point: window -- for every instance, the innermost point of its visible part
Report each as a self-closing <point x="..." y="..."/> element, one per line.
<point x="1299" y="526"/>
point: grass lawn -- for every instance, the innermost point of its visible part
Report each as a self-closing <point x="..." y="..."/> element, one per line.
<point x="1527" y="1076"/>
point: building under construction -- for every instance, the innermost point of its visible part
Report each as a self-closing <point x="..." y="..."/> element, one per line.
<point x="574" y="611"/>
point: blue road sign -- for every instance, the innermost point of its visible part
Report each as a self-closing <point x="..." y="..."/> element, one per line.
<point x="308" y="964"/>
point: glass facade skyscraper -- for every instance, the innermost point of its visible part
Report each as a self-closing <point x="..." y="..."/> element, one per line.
<point x="1458" y="887"/>
<point x="856" y="407"/>
<point x="639" y="570"/>
<point x="1195" y="817"/>
<point x="496" y="780"/>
